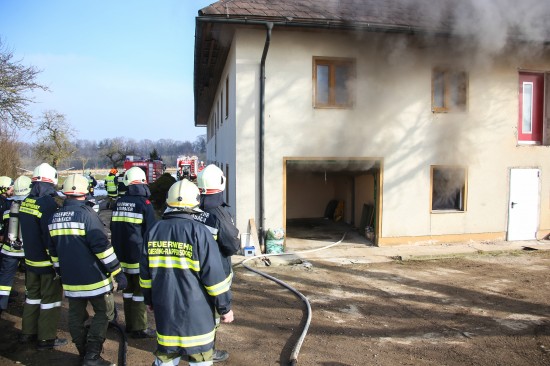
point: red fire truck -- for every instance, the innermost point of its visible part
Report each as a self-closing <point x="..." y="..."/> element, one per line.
<point x="152" y="168"/>
<point x="187" y="167"/>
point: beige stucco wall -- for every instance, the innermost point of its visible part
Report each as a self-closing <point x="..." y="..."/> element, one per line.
<point x="391" y="119"/>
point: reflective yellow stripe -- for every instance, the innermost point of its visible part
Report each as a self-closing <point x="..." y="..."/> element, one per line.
<point x="145" y="283"/>
<point x="130" y="265"/>
<point x="127" y="219"/>
<point x="58" y="232"/>
<point x="55" y="259"/>
<point x="30" y="211"/>
<point x="106" y="253"/>
<point x="38" y="264"/>
<point x="5" y="288"/>
<point x="174" y="262"/>
<point x="219" y="288"/>
<point x="131" y="217"/>
<point x="92" y="286"/>
<point x="116" y="271"/>
<point x="193" y="341"/>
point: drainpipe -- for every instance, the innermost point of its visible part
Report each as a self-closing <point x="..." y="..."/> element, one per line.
<point x="269" y="27"/>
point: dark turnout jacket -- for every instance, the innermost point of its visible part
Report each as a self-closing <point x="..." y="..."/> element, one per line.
<point x="34" y="216"/>
<point x="227" y="234"/>
<point x="81" y="250"/>
<point x="132" y="217"/>
<point x="182" y="278"/>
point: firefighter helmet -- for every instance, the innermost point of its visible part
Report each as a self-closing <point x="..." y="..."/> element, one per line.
<point x="45" y="173"/>
<point x="5" y="184"/>
<point x="211" y="180"/>
<point x="134" y="175"/>
<point x="184" y="194"/>
<point x="75" y="185"/>
<point x="113" y="171"/>
<point x="22" y="186"/>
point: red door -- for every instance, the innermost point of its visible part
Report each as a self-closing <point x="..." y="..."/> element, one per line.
<point x="531" y="96"/>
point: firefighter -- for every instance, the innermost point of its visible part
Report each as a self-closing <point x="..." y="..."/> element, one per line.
<point x="111" y="185"/>
<point x="92" y="182"/>
<point x="133" y="215"/>
<point x="80" y="241"/>
<point x="211" y="182"/>
<point x="183" y="281"/>
<point x="121" y="187"/>
<point x="44" y="293"/>
<point x="12" y="246"/>
<point x="6" y="191"/>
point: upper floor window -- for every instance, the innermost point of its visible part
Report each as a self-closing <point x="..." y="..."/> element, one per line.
<point x="449" y="90"/>
<point x="448" y="188"/>
<point x="227" y="97"/>
<point x="333" y="82"/>
<point x="532" y="98"/>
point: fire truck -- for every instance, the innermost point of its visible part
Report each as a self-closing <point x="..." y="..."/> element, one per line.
<point x="188" y="167"/>
<point x="153" y="168"/>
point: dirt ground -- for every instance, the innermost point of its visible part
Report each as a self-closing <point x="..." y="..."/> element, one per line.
<point x="475" y="310"/>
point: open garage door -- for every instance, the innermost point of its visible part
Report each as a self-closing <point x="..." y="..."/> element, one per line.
<point x="339" y="191"/>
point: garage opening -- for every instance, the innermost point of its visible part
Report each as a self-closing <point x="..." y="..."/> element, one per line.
<point x="324" y="197"/>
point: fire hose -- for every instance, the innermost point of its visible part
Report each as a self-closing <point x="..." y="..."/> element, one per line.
<point x="122" y="340"/>
<point x="296" y="350"/>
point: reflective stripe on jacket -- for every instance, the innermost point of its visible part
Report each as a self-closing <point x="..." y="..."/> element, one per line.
<point x="81" y="250"/>
<point x="111" y="184"/>
<point x="132" y="217"/>
<point x="182" y="277"/>
<point x="34" y="215"/>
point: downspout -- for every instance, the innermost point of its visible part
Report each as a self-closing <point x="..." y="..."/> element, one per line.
<point x="269" y="26"/>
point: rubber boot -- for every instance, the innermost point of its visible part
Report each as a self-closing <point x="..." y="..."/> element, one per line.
<point x="81" y="351"/>
<point x="93" y="355"/>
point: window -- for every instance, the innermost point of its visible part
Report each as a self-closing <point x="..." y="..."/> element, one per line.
<point x="531" y="107"/>
<point x="227" y="183"/>
<point x="449" y="90"/>
<point x="227" y="97"/>
<point x="333" y="80"/>
<point x="448" y="188"/>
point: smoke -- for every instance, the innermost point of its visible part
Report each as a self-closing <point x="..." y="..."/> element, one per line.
<point x="491" y="24"/>
<point x="494" y="23"/>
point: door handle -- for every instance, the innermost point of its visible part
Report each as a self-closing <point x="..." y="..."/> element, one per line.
<point x="513" y="204"/>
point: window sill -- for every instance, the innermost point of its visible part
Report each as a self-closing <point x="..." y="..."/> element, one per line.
<point x="439" y="212"/>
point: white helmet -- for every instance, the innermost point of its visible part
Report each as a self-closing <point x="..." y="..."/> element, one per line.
<point x="211" y="180"/>
<point x="44" y="173"/>
<point x="5" y="184"/>
<point x="22" y="186"/>
<point x="134" y="175"/>
<point x="184" y="194"/>
<point x="75" y="185"/>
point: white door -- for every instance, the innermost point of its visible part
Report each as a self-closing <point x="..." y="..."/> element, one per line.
<point x="523" y="207"/>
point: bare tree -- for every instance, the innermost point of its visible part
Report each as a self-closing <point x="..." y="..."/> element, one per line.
<point x="54" y="133"/>
<point x="84" y="160"/>
<point x="115" y="150"/>
<point x="16" y="81"/>
<point x="9" y="155"/>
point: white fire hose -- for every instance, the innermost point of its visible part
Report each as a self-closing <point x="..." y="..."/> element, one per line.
<point x="296" y="350"/>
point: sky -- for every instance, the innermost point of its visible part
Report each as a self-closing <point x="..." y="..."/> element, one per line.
<point x="114" y="68"/>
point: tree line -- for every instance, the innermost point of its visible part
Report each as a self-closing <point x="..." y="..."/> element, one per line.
<point x="56" y="141"/>
<point x="111" y="152"/>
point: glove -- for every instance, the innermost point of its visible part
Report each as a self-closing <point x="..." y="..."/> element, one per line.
<point x="57" y="272"/>
<point x="121" y="281"/>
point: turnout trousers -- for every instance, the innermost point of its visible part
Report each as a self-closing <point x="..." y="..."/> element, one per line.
<point x="42" y="307"/>
<point x="104" y="312"/>
<point x="173" y="359"/>
<point x="8" y="268"/>
<point x="135" y="311"/>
